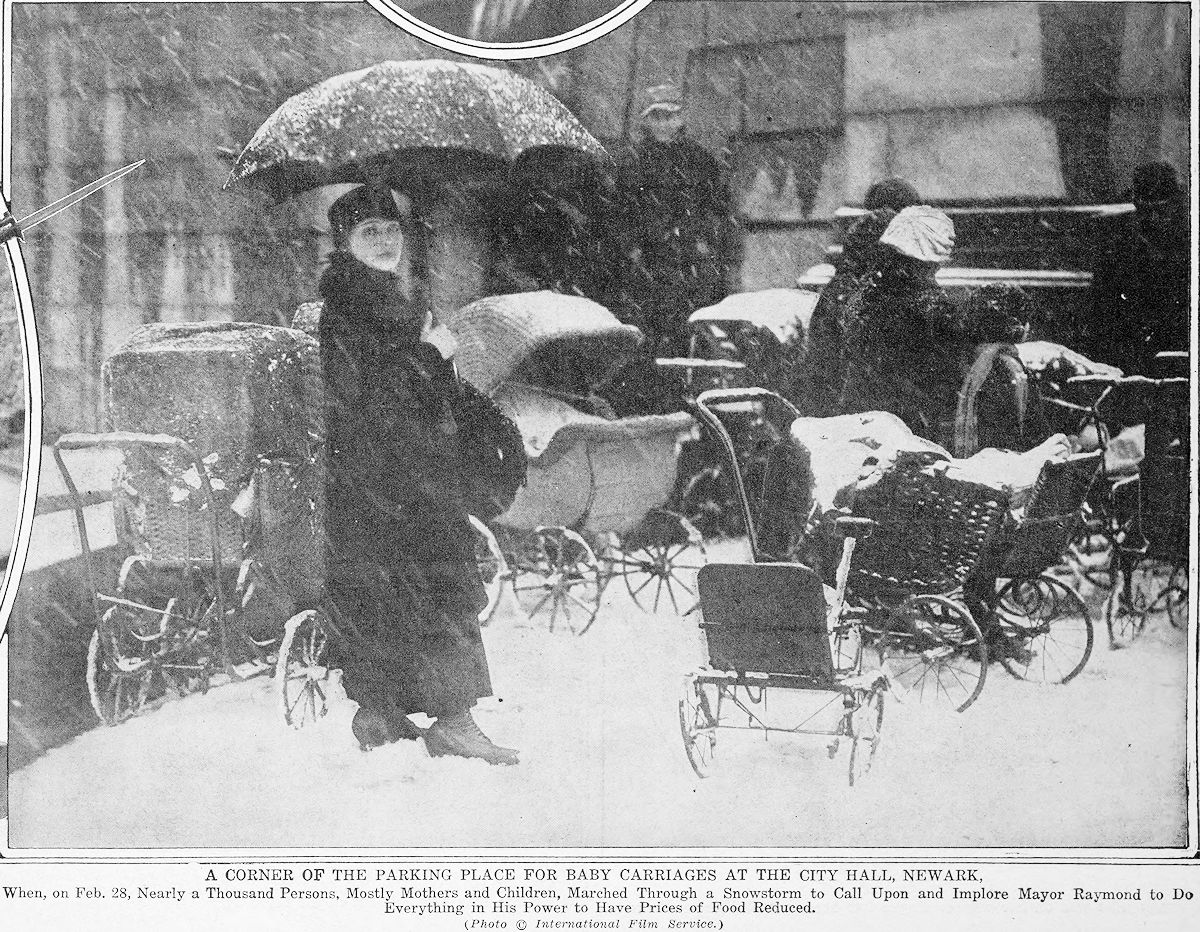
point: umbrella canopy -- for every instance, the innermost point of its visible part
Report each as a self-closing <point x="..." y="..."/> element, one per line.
<point x="540" y="338"/>
<point x="351" y="127"/>
<point x="784" y="311"/>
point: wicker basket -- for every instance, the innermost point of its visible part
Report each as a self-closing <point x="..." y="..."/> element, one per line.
<point x="1052" y="518"/>
<point x="931" y="532"/>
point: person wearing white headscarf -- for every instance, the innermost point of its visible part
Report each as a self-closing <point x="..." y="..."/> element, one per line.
<point x="901" y="341"/>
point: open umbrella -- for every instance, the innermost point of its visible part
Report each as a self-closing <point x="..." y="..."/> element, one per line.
<point x="351" y="128"/>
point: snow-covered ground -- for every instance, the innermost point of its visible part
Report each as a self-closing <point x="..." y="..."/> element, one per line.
<point x="1096" y="763"/>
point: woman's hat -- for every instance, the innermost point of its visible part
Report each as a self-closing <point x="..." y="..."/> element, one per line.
<point x="921" y="233"/>
<point x="368" y="202"/>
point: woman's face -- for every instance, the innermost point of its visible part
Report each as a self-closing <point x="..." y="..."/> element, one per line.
<point x="377" y="243"/>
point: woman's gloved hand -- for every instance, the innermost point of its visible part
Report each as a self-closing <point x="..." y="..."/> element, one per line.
<point x="439" y="337"/>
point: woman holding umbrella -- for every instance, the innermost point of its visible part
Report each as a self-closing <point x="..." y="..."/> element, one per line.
<point x="401" y="560"/>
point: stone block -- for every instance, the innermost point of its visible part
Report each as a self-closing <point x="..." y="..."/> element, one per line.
<point x="962" y="55"/>
<point x="715" y="105"/>
<point x="1081" y="49"/>
<point x="793" y="86"/>
<point x="665" y="34"/>
<point x="788" y="178"/>
<point x="746" y="23"/>
<point x="600" y="70"/>
<point x="1155" y="49"/>
<point x="974" y="155"/>
<point x="775" y="258"/>
<point x="1148" y="130"/>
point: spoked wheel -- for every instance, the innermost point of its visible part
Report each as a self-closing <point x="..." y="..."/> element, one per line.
<point x="1125" y="616"/>
<point x="557" y="577"/>
<point x="1176" y="597"/>
<point x="137" y="660"/>
<point x="932" y="651"/>
<point x="699" y="714"/>
<point x="662" y="559"/>
<point x="866" y="726"/>
<point x="493" y="568"/>
<point x="1045" y="630"/>
<point x="1161" y="589"/>
<point x="300" y="671"/>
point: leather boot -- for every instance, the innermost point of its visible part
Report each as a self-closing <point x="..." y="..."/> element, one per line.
<point x="458" y="735"/>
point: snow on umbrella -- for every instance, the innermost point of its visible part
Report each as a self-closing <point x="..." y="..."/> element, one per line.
<point x="351" y="128"/>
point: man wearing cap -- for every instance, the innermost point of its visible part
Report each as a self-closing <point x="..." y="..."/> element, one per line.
<point x="901" y="333"/>
<point x="677" y="224"/>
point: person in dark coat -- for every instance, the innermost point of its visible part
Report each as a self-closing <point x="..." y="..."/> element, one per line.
<point x="401" y="569"/>
<point x="1142" y="303"/>
<point x="818" y="382"/>
<point x="902" y="338"/>
<point x="678" y="232"/>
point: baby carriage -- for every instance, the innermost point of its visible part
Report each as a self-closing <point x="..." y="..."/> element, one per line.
<point x="592" y="507"/>
<point x="214" y="505"/>
<point x="748" y="339"/>
<point x="774" y="626"/>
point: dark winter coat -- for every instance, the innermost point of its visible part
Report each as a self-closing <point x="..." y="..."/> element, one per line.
<point x="902" y="351"/>
<point x="678" y="223"/>
<point x="400" y="551"/>
<point x="1142" y="304"/>
<point x="818" y="383"/>
<point x="392" y="444"/>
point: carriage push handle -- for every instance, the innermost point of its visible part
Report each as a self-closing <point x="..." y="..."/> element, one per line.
<point x="1115" y="381"/>
<point x="724" y="396"/>
<point x="124" y="440"/>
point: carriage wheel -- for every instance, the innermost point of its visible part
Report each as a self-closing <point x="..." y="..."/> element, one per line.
<point x="493" y="568"/>
<point x="666" y="565"/>
<point x="932" y="651"/>
<point x="1125" y="616"/>
<point x="117" y="686"/>
<point x="866" y="724"/>
<point x="1176" y="597"/>
<point x="558" y="576"/>
<point x="300" y="671"/>
<point x="699" y="715"/>
<point x="1046" y="628"/>
<point x="131" y="666"/>
<point x="1160" y="588"/>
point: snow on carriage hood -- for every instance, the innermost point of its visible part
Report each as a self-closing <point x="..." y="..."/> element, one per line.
<point x="497" y="336"/>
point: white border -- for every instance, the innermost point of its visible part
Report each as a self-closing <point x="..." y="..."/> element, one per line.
<point x="30" y="354"/>
<point x="711" y="856"/>
<point x="623" y="11"/>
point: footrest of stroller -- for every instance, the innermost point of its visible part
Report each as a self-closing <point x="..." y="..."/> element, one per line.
<point x="766" y="618"/>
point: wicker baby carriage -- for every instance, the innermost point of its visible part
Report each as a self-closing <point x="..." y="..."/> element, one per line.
<point x="215" y="506"/>
<point x="591" y="508"/>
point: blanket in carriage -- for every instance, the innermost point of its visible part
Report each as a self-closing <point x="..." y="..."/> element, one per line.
<point x="597" y="473"/>
<point x="854" y="451"/>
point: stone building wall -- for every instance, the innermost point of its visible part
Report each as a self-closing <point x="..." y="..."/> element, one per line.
<point x="808" y="102"/>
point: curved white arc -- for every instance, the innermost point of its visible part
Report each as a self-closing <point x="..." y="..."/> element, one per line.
<point x="33" y="430"/>
<point x="510" y="51"/>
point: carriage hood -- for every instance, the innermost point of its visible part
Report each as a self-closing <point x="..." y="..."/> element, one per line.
<point x="541" y="338"/>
